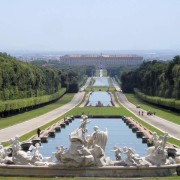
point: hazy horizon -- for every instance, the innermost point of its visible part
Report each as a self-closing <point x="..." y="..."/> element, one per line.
<point x="103" y="25"/>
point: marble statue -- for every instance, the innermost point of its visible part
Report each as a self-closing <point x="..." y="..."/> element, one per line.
<point x="4" y="158"/>
<point x="77" y="154"/>
<point x="88" y="150"/>
<point x="2" y="153"/>
<point x="118" y="152"/>
<point x="98" y="138"/>
<point x="157" y="155"/>
<point x="84" y="150"/>
<point x="84" y="122"/>
<point x="21" y="157"/>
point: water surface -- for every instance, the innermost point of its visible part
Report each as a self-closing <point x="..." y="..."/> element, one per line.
<point x="99" y="96"/>
<point x="101" y="81"/>
<point x="118" y="134"/>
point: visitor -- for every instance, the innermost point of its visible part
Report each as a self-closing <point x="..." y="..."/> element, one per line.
<point x="38" y="132"/>
<point x="142" y="113"/>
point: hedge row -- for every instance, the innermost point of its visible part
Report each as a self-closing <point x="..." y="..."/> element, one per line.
<point x="18" y="104"/>
<point x="168" y="103"/>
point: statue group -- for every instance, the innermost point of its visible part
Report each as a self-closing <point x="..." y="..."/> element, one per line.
<point x="86" y="151"/>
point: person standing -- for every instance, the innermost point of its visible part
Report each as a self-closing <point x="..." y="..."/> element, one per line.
<point x="38" y="132"/>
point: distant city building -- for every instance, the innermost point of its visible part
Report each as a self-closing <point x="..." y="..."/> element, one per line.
<point x="101" y="61"/>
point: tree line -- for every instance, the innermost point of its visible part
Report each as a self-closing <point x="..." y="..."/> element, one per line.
<point x="72" y="77"/>
<point x="22" y="80"/>
<point x="157" y="82"/>
<point x="24" y="86"/>
<point x="155" y="78"/>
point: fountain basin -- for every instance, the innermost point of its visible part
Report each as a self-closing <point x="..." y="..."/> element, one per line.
<point x="115" y="171"/>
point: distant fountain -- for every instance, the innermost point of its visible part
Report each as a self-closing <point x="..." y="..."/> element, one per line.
<point x="99" y="104"/>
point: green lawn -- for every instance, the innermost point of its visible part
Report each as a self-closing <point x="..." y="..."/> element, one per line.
<point x="163" y="113"/>
<point x="9" y="121"/>
<point x="100" y="88"/>
<point x="110" y="111"/>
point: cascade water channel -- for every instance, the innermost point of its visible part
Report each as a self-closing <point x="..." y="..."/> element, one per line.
<point x="118" y="132"/>
<point x="100" y="98"/>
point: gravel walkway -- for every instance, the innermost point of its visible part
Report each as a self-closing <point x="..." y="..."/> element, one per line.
<point x="27" y="126"/>
<point x="166" y="126"/>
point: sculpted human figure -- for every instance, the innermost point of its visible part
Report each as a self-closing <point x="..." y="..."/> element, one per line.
<point x="84" y="122"/>
<point x="132" y="158"/>
<point x="157" y="154"/>
<point x="98" y="137"/>
<point x="16" y="145"/>
<point x="35" y="150"/>
<point x="2" y="153"/>
<point x="118" y="152"/>
<point x="4" y="158"/>
<point x="159" y="143"/>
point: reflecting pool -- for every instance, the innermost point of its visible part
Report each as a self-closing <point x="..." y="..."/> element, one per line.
<point x="101" y="81"/>
<point x="118" y="134"/>
<point x="99" y="98"/>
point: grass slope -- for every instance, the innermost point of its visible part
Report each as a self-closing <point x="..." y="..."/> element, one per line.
<point x="19" y="118"/>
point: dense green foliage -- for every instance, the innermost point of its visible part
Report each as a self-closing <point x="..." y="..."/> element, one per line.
<point x="72" y="77"/>
<point x="155" y="78"/>
<point x="9" y="107"/>
<point x="166" y="102"/>
<point x="118" y="71"/>
<point x="24" y="86"/>
<point x="22" y="80"/>
<point x="21" y="117"/>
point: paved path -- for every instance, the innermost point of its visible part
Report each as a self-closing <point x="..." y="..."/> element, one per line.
<point x="159" y="123"/>
<point x="27" y="126"/>
<point x="86" y="84"/>
<point x="115" y="84"/>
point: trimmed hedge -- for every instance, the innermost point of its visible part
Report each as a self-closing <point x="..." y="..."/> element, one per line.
<point x="168" y="103"/>
<point x="18" y="104"/>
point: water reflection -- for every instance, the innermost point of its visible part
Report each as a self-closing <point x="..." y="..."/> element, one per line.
<point x="99" y="98"/>
<point x="101" y="81"/>
<point x="118" y="134"/>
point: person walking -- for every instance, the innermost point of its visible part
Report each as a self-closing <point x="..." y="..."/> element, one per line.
<point x="38" y="132"/>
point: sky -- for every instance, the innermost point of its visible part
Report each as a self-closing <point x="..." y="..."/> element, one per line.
<point x="89" y="25"/>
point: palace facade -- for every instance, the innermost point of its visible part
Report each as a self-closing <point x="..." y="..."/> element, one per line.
<point x="101" y="61"/>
